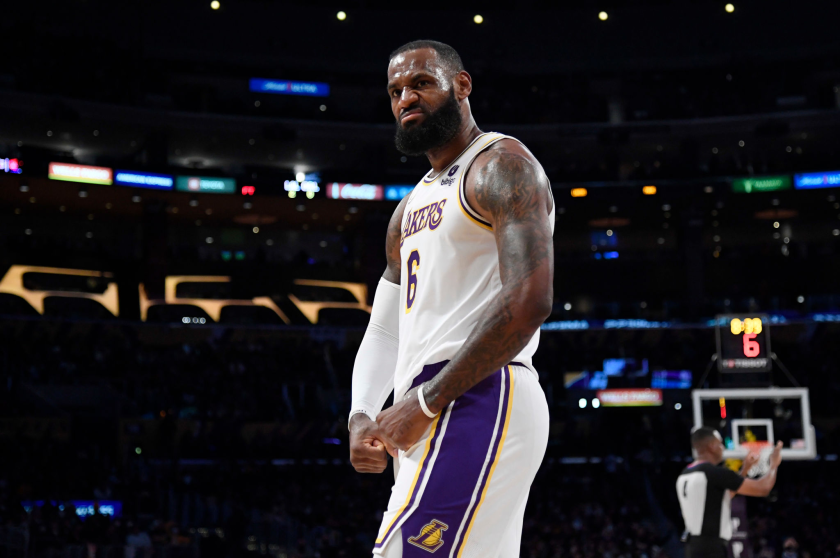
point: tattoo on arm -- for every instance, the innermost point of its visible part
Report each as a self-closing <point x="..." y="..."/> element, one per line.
<point x="392" y="245"/>
<point x="515" y="193"/>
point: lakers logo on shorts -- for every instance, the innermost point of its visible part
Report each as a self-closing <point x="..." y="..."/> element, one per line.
<point x="431" y="536"/>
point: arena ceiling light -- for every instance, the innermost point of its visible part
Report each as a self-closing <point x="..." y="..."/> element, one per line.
<point x="648" y="190"/>
<point x="603" y="16"/>
<point x="579" y="192"/>
<point x="215" y="5"/>
<point x="478" y="19"/>
<point x="729" y="8"/>
<point x="341" y="16"/>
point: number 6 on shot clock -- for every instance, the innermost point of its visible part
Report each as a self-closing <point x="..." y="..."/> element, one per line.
<point x="743" y="343"/>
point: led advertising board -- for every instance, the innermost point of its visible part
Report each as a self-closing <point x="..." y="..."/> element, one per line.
<point x="811" y="180"/>
<point x="205" y="185"/>
<point x="81" y="173"/>
<point x="761" y="184"/>
<point x="396" y="193"/>
<point x="630" y="397"/>
<point x="144" y="180"/>
<point x="348" y="191"/>
<point x="285" y="87"/>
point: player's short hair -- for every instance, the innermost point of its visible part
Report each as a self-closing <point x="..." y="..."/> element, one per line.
<point x="448" y="55"/>
<point x="701" y="435"/>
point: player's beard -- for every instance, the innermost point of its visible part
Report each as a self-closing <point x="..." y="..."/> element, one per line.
<point x="434" y="131"/>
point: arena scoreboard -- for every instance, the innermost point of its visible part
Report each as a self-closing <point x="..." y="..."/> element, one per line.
<point x="743" y="343"/>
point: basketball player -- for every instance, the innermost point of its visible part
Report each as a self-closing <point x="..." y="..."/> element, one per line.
<point x="705" y="491"/>
<point x="454" y="324"/>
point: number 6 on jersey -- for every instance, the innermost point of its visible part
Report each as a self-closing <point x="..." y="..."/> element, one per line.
<point x="411" y="292"/>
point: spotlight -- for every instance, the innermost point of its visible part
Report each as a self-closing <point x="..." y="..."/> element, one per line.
<point x="215" y="5"/>
<point x="567" y="306"/>
<point x="300" y="176"/>
<point x="596" y="403"/>
<point x="478" y="19"/>
<point x="582" y="403"/>
<point x="678" y="406"/>
<point x="729" y="8"/>
<point x="603" y="16"/>
<point x="341" y="16"/>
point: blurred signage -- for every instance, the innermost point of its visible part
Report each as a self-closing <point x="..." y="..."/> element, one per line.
<point x="761" y="184"/>
<point x="248" y="190"/>
<point x="205" y="185"/>
<point x="671" y="379"/>
<point x="396" y="193"/>
<point x="284" y="87"/>
<point x="84" y="508"/>
<point x="11" y="165"/>
<point x="817" y="180"/>
<point x="144" y="180"/>
<point x="309" y="187"/>
<point x="630" y="397"/>
<point x="347" y="191"/>
<point x="80" y="173"/>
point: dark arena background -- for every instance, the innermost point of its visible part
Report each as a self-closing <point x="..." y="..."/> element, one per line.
<point x="193" y="205"/>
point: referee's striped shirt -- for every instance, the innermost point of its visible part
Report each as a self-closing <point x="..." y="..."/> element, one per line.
<point x="703" y="491"/>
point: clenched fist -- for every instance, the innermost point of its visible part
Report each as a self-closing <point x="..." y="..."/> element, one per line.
<point x="368" y="453"/>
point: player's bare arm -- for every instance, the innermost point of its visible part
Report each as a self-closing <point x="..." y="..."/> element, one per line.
<point x="392" y="245"/>
<point x="368" y="453"/>
<point x="508" y="186"/>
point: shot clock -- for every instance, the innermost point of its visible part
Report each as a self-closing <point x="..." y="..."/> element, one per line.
<point x="743" y="343"/>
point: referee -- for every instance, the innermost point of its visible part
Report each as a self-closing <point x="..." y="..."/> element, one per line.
<point x="705" y="490"/>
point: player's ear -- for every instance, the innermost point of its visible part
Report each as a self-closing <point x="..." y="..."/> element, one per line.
<point x="463" y="85"/>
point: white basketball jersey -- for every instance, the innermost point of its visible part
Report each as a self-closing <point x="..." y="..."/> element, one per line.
<point x="450" y="269"/>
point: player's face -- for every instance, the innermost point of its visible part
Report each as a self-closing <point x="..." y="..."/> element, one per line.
<point x="716" y="447"/>
<point x="417" y="85"/>
<point x="424" y="102"/>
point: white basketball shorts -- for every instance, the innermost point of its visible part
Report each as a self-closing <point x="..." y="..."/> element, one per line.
<point x="460" y="491"/>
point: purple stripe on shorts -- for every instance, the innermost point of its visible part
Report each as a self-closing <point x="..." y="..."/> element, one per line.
<point x="493" y="457"/>
<point x="458" y="467"/>
<point x="407" y="509"/>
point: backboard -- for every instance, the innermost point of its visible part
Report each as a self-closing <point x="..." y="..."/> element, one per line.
<point x="745" y="417"/>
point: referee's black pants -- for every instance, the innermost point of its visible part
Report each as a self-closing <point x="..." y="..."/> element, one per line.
<point x="705" y="547"/>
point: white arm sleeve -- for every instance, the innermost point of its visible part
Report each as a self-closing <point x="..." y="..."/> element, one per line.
<point x="376" y="361"/>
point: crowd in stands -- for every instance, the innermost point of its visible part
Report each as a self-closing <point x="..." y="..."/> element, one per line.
<point x="225" y="441"/>
<point x="327" y="510"/>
